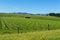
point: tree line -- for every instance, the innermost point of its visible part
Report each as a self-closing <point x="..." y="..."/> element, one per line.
<point x="49" y="14"/>
<point x="54" y="14"/>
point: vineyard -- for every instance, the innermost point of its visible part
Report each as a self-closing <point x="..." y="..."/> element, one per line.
<point x="14" y="24"/>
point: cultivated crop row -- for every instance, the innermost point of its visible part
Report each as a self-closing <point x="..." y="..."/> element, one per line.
<point x="12" y="23"/>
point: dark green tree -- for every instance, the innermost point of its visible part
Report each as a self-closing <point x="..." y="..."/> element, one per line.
<point x="52" y="14"/>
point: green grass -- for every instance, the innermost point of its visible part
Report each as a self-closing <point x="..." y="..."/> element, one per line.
<point x="34" y="28"/>
<point x="37" y="35"/>
<point x="26" y="25"/>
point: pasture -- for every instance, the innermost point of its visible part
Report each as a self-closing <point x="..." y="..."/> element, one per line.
<point x="37" y="35"/>
<point x="37" y="27"/>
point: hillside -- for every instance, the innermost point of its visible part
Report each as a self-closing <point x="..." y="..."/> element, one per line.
<point x="10" y="23"/>
<point x="34" y="27"/>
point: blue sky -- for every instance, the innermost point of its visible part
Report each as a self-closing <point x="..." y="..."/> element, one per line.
<point x="30" y="6"/>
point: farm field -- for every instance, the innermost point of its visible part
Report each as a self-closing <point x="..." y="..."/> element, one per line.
<point x="34" y="28"/>
<point x="37" y="35"/>
<point x="29" y="19"/>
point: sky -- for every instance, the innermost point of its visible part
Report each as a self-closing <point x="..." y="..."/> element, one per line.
<point x="30" y="6"/>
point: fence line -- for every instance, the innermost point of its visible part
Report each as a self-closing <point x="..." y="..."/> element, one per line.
<point x="18" y="29"/>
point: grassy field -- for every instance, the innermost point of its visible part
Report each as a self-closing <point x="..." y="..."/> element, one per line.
<point x="37" y="35"/>
<point x="34" y="28"/>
